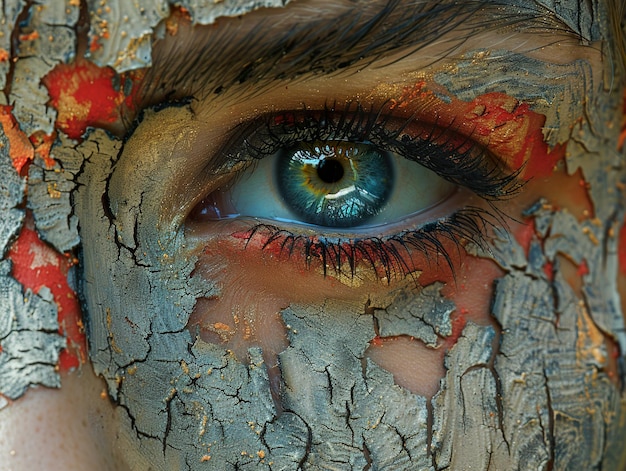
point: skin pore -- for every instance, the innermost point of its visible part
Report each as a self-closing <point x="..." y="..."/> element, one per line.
<point x="472" y="333"/>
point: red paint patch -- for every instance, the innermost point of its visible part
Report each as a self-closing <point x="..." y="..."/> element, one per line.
<point x="524" y="235"/>
<point x="506" y="126"/>
<point x="35" y="265"/>
<point x="583" y="269"/>
<point x="85" y="95"/>
<point x="515" y="132"/>
<point x="548" y="269"/>
<point x="20" y="148"/>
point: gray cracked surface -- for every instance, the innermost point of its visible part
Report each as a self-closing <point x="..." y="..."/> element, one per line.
<point x="499" y="396"/>
<point x="423" y="314"/>
<point x="122" y="29"/>
<point x="29" y="335"/>
<point x="50" y="195"/>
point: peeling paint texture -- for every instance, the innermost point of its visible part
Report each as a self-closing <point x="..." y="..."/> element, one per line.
<point x="528" y="388"/>
<point x="121" y="30"/>
<point x="29" y="337"/>
<point x="528" y="385"/>
<point x="11" y="196"/>
<point x="45" y="40"/>
<point x="50" y="192"/>
<point x="424" y="315"/>
<point x="8" y="17"/>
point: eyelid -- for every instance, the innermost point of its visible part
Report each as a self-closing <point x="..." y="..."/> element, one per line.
<point x="453" y="156"/>
<point x="396" y="246"/>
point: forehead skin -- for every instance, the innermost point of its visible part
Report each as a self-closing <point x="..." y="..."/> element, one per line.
<point x="137" y="274"/>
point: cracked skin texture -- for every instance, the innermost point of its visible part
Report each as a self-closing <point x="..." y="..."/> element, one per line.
<point x="523" y="361"/>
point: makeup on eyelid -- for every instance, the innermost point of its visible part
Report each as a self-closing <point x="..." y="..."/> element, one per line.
<point x="506" y="127"/>
<point x="264" y="258"/>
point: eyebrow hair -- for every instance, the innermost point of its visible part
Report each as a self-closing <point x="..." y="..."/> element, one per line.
<point x="221" y="57"/>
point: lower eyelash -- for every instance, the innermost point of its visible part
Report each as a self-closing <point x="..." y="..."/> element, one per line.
<point x="389" y="257"/>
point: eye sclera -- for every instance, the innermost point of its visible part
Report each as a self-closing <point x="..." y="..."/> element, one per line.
<point x="198" y="225"/>
<point x="412" y="190"/>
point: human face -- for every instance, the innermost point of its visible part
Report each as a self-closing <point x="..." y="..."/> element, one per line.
<point x="454" y="304"/>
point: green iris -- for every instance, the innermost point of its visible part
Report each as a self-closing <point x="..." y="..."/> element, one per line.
<point x="334" y="184"/>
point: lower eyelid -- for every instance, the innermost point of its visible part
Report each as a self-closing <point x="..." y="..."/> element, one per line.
<point x="386" y="252"/>
<point x="431" y="250"/>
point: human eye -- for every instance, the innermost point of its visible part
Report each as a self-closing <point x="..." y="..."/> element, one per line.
<point x="343" y="184"/>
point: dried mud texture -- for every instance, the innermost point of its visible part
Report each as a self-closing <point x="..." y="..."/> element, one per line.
<point x="50" y="195"/>
<point x="46" y="38"/>
<point x="121" y="30"/>
<point x="8" y="17"/>
<point x="186" y="403"/>
<point x="532" y="391"/>
<point x="354" y="413"/>
<point x="11" y="196"/>
<point x="29" y="336"/>
<point x="545" y="398"/>
<point x="424" y="314"/>
<point x="29" y="339"/>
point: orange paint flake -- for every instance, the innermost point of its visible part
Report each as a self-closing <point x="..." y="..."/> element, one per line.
<point x="30" y="36"/>
<point x="377" y="341"/>
<point x="20" y="148"/>
<point x="35" y="265"/>
<point x="86" y="95"/>
<point x="43" y="144"/>
<point x="4" y="55"/>
<point x="583" y="269"/>
<point x="94" y="44"/>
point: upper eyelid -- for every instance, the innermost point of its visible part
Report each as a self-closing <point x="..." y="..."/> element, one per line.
<point x="477" y="168"/>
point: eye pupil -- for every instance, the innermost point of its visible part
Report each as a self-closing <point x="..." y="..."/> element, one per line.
<point x="330" y="171"/>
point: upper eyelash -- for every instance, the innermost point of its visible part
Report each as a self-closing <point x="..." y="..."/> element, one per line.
<point x="467" y="164"/>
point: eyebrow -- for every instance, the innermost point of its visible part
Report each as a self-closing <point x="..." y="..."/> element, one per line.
<point x="218" y="57"/>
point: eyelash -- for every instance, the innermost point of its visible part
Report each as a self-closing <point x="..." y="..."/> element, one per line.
<point x="453" y="157"/>
<point x="385" y="255"/>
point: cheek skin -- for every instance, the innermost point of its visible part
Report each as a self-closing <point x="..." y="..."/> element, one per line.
<point x="70" y="429"/>
<point x="253" y="291"/>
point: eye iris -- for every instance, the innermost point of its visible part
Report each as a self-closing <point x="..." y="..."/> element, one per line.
<point x="335" y="184"/>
